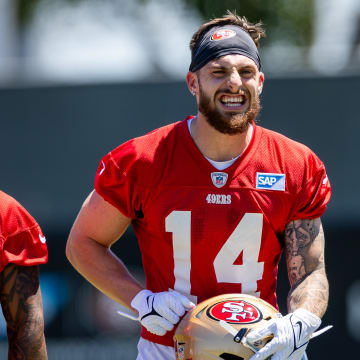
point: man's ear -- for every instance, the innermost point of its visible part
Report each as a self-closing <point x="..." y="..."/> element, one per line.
<point x="192" y="83"/>
<point x="261" y="82"/>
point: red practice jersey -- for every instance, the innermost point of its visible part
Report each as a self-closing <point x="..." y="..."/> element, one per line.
<point x="205" y="232"/>
<point x="21" y="239"/>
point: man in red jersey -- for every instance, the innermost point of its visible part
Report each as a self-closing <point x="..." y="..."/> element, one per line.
<point x="23" y="248"/>
<point x="213" y="200"/>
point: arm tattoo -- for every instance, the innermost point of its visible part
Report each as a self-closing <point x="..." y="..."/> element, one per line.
<point x="304" y="246"/>
<point x="21" y="303"/>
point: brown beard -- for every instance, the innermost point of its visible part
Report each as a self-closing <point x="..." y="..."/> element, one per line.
<point x="234" y="124"/>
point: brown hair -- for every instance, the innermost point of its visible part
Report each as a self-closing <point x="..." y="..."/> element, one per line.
<point x="230" y="18"/>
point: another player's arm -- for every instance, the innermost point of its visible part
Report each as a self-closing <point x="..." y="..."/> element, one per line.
<point x="21" y="304"/>
<point x="97" y="226"/>
<point x="305" y="244"/>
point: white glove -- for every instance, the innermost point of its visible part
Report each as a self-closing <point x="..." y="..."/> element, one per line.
<point x="291" y="336"/>
<point x="159" y="312"/>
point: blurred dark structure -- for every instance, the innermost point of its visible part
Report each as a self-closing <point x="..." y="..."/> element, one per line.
<point x="52" y="139"/>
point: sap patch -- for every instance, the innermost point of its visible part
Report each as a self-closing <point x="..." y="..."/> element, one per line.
<point x="270" y="181"/>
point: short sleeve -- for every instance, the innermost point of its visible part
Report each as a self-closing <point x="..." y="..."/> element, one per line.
<point x="22" y="240"/>
<point x="312" y="199"/>
<point x="112" y="183"/>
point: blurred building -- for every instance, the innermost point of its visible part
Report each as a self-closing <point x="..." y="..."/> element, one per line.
<point x="91" y="41"/>
<point x="336" y="44"/>
<point x="88" y="41"/>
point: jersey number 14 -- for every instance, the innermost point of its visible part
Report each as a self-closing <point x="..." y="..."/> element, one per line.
<point x="245" y="238"/>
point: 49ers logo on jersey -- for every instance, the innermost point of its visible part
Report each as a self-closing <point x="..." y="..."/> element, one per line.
<point x="222" y="34"/>
<point x="235" y="312"/>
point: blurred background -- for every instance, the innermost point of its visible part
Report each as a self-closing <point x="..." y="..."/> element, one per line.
<point x="79" y="77"/>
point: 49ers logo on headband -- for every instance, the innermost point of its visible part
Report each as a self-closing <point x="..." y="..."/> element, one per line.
<point x="235" y="312"/>
<point x="222" y="34"/>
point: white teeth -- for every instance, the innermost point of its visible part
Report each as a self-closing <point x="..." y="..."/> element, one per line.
<point x="233" y="105"/>
<point x="235" y="100"/>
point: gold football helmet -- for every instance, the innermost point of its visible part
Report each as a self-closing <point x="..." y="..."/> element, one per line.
<point x="216" y="328"/>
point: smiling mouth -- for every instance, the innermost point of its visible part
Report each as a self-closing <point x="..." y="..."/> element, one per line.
<point x="233" y="101"/>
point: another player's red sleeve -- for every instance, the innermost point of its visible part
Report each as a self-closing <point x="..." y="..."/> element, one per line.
<point x="314" y="195"/>
<point x="22" y="241"/>
<point x="112" y="184"/>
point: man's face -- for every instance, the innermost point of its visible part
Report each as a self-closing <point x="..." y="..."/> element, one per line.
<point x="228" y="93"/>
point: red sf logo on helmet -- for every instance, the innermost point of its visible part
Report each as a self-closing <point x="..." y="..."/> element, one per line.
<point x="223" y="34"/>
<point x="235" y="312"/>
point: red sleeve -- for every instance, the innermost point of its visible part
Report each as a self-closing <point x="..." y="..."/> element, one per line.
<point x="314" y="195"/>
<point x="22" y="241"/>
<point x="112" y="183"/>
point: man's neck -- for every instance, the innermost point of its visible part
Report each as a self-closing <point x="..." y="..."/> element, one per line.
<point x="216" y="145"/>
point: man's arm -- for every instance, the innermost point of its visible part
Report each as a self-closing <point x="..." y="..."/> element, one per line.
<point x="304" y="245"/>
<point x="308" y="296"/>
<point x="97" y="226"/>
<point x="21" y="304"/>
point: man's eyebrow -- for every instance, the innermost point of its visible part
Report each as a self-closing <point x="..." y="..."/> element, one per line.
<point x="222" y="67"/>
<point x="248" y="66"/>
<point x="217" y="67"/>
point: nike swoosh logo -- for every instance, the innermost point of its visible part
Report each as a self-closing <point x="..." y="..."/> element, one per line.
<point x="42" y="239"/>
<point x="296" y="341"/>
<point x="153" y="311"/>
<point x="300" y="329"/>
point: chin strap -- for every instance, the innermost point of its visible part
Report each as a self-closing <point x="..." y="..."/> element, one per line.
<point x="238" y="335"/>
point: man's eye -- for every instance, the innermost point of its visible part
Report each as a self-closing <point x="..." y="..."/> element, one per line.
<point x="246" y="72"/>
<point x="219" y="72"/>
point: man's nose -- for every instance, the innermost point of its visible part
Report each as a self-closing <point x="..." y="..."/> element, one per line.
<point x="234" y="81"/>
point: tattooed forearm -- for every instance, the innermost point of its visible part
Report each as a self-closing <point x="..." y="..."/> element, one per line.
<point x="311" y="294"/>
<point x="304" y="244"/>
<point x="22" y="308"/>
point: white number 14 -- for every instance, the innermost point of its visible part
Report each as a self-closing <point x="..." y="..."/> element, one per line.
<point x="245" y="239"/>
